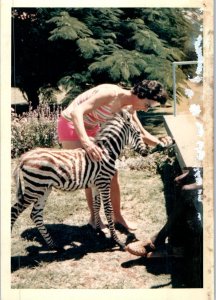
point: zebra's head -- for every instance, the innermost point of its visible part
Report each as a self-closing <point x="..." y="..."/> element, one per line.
<point x="135" y="140"/>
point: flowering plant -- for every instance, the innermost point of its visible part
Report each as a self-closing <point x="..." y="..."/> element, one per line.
<point x="35" y="128"/>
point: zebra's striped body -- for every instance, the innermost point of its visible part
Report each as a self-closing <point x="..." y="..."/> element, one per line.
<point x="44" y="168"/>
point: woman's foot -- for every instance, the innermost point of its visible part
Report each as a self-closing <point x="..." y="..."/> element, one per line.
<point x="103" y="227"/>
<point x="125" y="224"/>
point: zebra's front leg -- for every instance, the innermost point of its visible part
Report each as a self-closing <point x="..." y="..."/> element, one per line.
<point x="37" y="217"/>
<point x="104" y="190"/>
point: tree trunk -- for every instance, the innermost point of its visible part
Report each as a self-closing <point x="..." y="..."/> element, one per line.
<point x="32" y="94"/>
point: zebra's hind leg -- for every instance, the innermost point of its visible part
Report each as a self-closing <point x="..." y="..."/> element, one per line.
<point x="21" y="204"/>
<point x="17" y="209"/>
<point x="37" y="217"/>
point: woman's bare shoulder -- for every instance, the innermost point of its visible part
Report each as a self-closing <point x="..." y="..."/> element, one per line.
<point x="107" y="89"/>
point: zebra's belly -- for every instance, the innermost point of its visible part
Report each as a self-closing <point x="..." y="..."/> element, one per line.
<point x="72" y="186"/>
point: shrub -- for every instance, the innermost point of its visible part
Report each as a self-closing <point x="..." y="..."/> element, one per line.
<point x="149" y="164"/>
<point x="36" y="128"/>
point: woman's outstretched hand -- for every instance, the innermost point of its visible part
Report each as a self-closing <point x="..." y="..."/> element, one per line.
<point x="166" y="141"/>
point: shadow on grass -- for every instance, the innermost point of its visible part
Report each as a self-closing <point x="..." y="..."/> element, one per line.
<point x="77" y="241"/>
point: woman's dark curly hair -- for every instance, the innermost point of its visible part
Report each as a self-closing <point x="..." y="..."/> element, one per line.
<point x="150" y="89"/>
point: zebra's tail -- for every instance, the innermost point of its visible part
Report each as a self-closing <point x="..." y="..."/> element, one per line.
<point x="16" y="175"/>
<point x="16" y="172"/>
<point x="17" y="178"/>
<point x="17" y="208"/>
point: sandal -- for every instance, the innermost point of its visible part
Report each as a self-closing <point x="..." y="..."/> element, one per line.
<point x="123" y="229"/>
<point x="140" y="248"/>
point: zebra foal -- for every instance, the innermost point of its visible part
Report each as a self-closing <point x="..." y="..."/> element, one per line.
<point x="44" y="168"/>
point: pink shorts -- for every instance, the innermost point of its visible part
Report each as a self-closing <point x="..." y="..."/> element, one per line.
<point x="67" y="132"/>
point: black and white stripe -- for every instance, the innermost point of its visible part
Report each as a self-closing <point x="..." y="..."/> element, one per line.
<point x="44" y="168"/>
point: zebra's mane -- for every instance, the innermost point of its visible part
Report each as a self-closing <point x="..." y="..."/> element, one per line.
<point x="119" y="119"/>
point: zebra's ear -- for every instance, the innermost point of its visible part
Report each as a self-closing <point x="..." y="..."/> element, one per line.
<point x="126" y="115"/>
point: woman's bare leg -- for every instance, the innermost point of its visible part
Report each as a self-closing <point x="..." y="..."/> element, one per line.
<point x="116" y="201"/>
